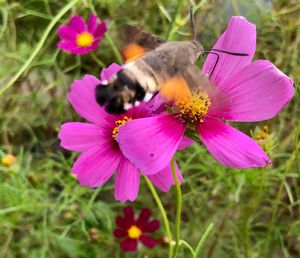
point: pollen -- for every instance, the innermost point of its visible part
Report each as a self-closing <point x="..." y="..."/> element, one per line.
<point x="118" y="124"/>
<point x="8" y="160"/>
<point x="85" y="39"/>
<point x="134" y="232"/>
<point x="193" y="109"/>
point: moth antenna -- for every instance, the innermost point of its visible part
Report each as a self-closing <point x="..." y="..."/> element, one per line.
<point x="192" y="23"/>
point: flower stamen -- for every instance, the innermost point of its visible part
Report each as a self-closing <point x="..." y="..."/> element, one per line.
<point x="134" y="232"/>
<point x="118" y="124"/>
<point x="193" y="110"/>
<point x="8" y="160"/>
<point x="84" y="39"/>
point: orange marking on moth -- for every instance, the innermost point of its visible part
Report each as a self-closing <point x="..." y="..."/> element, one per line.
<point x="175" y="89"/>
<point x="132" y="52"/>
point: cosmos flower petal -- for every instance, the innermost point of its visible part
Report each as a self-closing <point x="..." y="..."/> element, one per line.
<point x="240" y="36"/>
<point x="67" y="45"/>
<point x="143" y="218"/>
<point x="164" y="179"/>
<point x="77" y="22"/>
<point x="128" y="219"/>
<point x="92" y="23"/>
<point x="100" y="30"/>
<point x="150" y="143"/>
<point x="127" y="182"/>
<point x="107" y="73"/>
<point x="77" y="136"/>
<point x="230" y="146"/>
<point x="66" y="32"/>
<point x="151" y="227"/>
<point x="156" y="104"/>
<point x="71" y="47"/>
<point x="82" y="98"/>
<point x="81" y="50"/>
<point x="140" y="111"/>
<point x="123" y="222"/>
<point x="129" y="245"/>
<point x="120" y="233"/>
<point x="149" y="241"/>
<point x="185" y="142"/>
<point x="129" y="215"/>
<point x="96" y="166"/>
<point x="256" y="93"/>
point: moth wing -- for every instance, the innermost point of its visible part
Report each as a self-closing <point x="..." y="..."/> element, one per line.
<point x="197" y="81"/>
<point x="146" y="40"/>
<point x="185" y="82"/>
<point x="175" y="89"/>
<point x="137" y="42"/>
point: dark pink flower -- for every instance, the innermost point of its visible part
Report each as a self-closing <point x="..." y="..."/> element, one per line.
<point x="244" y="92"/>
<point x="134" y="230"/>
<point x="100" y="153"/>
<point x="80" y="38"/>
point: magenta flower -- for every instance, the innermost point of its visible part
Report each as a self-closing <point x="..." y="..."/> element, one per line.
<point x="101" y="155"/>
<point x="135" y="230"/>
<point x="80" y="38"/>
<point x="245" y="92"/>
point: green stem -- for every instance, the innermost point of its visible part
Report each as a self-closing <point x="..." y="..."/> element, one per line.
<point x="178" y="208"/>
<point x="173" y="23"/>
<point x="163" y="214"/>
<point x="97" y="60"/>
<point x="235" y="7"/>
<point x="108" y="38"/>
<point x="202" y="239"/>
<point x="276" y="206"/>
<point x="187" y="245"/>
<point x="114" y="48"/>
<point x="39" y="45"/>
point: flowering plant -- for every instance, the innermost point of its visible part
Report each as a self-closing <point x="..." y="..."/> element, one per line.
<point x="79" y="38"/>
<point x="134" y="230"/>
<point x="144" y="142"/>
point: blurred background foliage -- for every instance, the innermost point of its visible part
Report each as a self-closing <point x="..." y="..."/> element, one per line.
<point x="43" y="210"/>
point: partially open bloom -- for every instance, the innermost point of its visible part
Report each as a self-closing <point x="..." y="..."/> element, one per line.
<point x="101" y="155"/>
<point x="243" y="92"/>
<point x="80" y="38"/>
<point x="8" y="160"/>
<point x="265" y="138"/>
<point x="135" y="230"/>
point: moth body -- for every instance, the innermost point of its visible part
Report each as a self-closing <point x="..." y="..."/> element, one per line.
<point x="148" y="73"/>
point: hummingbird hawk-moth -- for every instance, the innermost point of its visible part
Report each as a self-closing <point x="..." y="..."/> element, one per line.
<point x="153" y="65"/>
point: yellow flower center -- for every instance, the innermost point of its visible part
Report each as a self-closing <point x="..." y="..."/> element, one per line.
<point x="134" y="232"/>
<point x="193" y="109"/>
<point x="85" y="39"/>
<point x="118" y="124"/>
<point x="262" y="134"/>
<point x="8" y="160"/>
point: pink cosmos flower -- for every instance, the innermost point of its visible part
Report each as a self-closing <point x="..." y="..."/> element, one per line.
<point x="245" y="92"/>
<point x="100" y="153"/>
<point x="80" y="38"/>
<point x="134" y="230"/>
